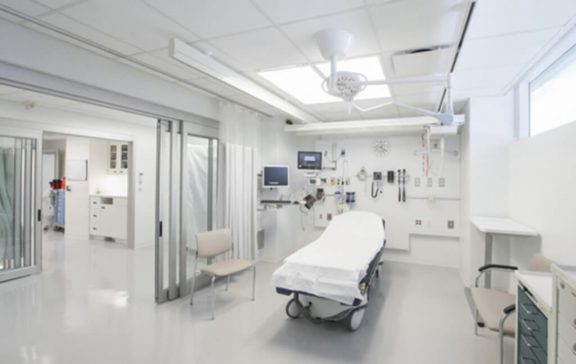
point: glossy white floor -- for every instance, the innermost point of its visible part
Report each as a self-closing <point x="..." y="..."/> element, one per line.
<point x="94" y="304"/>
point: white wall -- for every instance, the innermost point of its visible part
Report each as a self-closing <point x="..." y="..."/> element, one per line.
<point x="143" y="136"/>
<point x="485" y="142"/>
<point x="288" y="228"/>
<point x="543" y="194"/>
<point x="77" y="210"/>
<point x="429" y="243"/>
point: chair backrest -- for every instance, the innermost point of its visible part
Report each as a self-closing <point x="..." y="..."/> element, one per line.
<point x="540" y="263"/>
<point x="215" y="242"/>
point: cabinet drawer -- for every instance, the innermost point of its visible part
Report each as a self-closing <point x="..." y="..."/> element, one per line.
<point x="566" y="352"/>
<point x="530" y="318"/>
<point x="566" y="300"/>
<point x="528" y="352"/>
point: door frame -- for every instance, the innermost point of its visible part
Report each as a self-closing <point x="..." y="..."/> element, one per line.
<point x="37" y="210"/>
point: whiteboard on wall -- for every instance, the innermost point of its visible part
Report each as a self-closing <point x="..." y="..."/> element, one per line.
<point x="77" y="170"/>
<point x="433" y="206"/>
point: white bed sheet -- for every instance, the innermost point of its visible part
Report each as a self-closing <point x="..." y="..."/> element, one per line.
<point x="333" y="266"/>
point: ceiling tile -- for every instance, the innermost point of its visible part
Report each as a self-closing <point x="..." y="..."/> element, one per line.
<point x="161" y="59"/>
<point x="282" y="11"/>
<point x="461" y="96"/>
<point x="130" y="21"/>
<point x="212" y="18"/>
<point x="413" y="24"/>
<point x="494" y="17"/>
<point x="508" y="50"/>
<point x="355" y="22"/>
<point x="481" y="79"/>
<point x="71" y="25"/>
<point x="428" y="100"/>
<point x="248" y="53"/>
<point x="411" y="89"/>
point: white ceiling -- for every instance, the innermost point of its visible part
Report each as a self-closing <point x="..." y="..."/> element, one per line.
<point x="252" y="35"/>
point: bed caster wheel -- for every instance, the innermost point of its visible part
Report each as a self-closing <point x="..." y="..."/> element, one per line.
<point x="294" y="309"/>
<point x="355" y="319"/>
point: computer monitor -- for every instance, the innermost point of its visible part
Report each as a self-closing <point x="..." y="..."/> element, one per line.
<point x="275" y="176"/>
<point x="309" y="160"/>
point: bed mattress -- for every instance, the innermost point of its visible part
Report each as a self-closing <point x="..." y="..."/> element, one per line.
<point x="334" y="265"/>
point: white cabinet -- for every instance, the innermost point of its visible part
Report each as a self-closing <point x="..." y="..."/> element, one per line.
<point x="118" y="158"/>
<point x="564" y="315"/>
<point x="109" y="217"/>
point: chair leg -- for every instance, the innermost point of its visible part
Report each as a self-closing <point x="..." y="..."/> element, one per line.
<point x="192" y="288"/>
<point x="501" y="333"/>
<point x="227" y="283"/>
<point x="476" y="317"/>
<point x="253" y="282"/>
<point x="213" y="295"/>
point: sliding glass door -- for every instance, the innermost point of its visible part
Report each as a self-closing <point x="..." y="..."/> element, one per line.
<point x="187" y="157"/>
<point x="20" y="199"/>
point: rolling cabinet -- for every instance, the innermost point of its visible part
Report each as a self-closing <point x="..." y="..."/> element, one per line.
<point x="564" y="316"/>
<point x="109" y="217"/>
<point x="534" y="307"/>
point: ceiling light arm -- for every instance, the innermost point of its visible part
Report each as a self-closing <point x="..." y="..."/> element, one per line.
<point x="417" y="80"/>
<point x="372" y="108"/>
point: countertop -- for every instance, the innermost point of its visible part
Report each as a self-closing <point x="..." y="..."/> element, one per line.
<point x="541" y="287"/>
<point x="109" y="196"/>
<point x="499" y="225"/>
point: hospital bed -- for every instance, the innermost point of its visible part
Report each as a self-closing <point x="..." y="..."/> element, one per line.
<point x="330" y="278"/>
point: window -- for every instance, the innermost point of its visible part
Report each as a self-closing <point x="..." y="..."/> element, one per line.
<point x="553" y="95"/>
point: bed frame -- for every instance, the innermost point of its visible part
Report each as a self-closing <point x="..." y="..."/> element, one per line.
<point x="317" y="309"/>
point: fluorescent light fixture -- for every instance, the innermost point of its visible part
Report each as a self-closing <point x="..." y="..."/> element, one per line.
<point x="395" y="125"/>
<point x="305" y="85"/>
<point x="196" y="59"/>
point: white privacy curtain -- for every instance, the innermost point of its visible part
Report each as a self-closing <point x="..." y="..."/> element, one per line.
<point x="236" y="197"/>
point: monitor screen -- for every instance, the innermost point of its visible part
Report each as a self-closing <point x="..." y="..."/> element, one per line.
<point x="275" y="176"/>
<point x="309" y="160"/>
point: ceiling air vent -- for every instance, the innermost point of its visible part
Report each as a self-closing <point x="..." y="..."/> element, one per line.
<point x="422" y="61"/>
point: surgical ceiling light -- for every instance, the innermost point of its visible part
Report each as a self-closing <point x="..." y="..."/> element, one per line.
<point x="204" y="63"/>
<point x="334" y="45"/>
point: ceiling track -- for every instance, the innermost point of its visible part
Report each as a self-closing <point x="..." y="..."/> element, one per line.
<point x="115" y="53"/>
<point x="459" y="48"/>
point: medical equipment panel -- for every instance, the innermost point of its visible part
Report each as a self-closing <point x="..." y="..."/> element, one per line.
<point x="275" y="176"/>
<point x="310" y="160"/>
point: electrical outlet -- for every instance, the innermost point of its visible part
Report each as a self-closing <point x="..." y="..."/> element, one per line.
<point x="441" y="182"/>
<point x="417" y="182"/>
<point x="451" y="224"/>
<point x="418" y="222"/>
